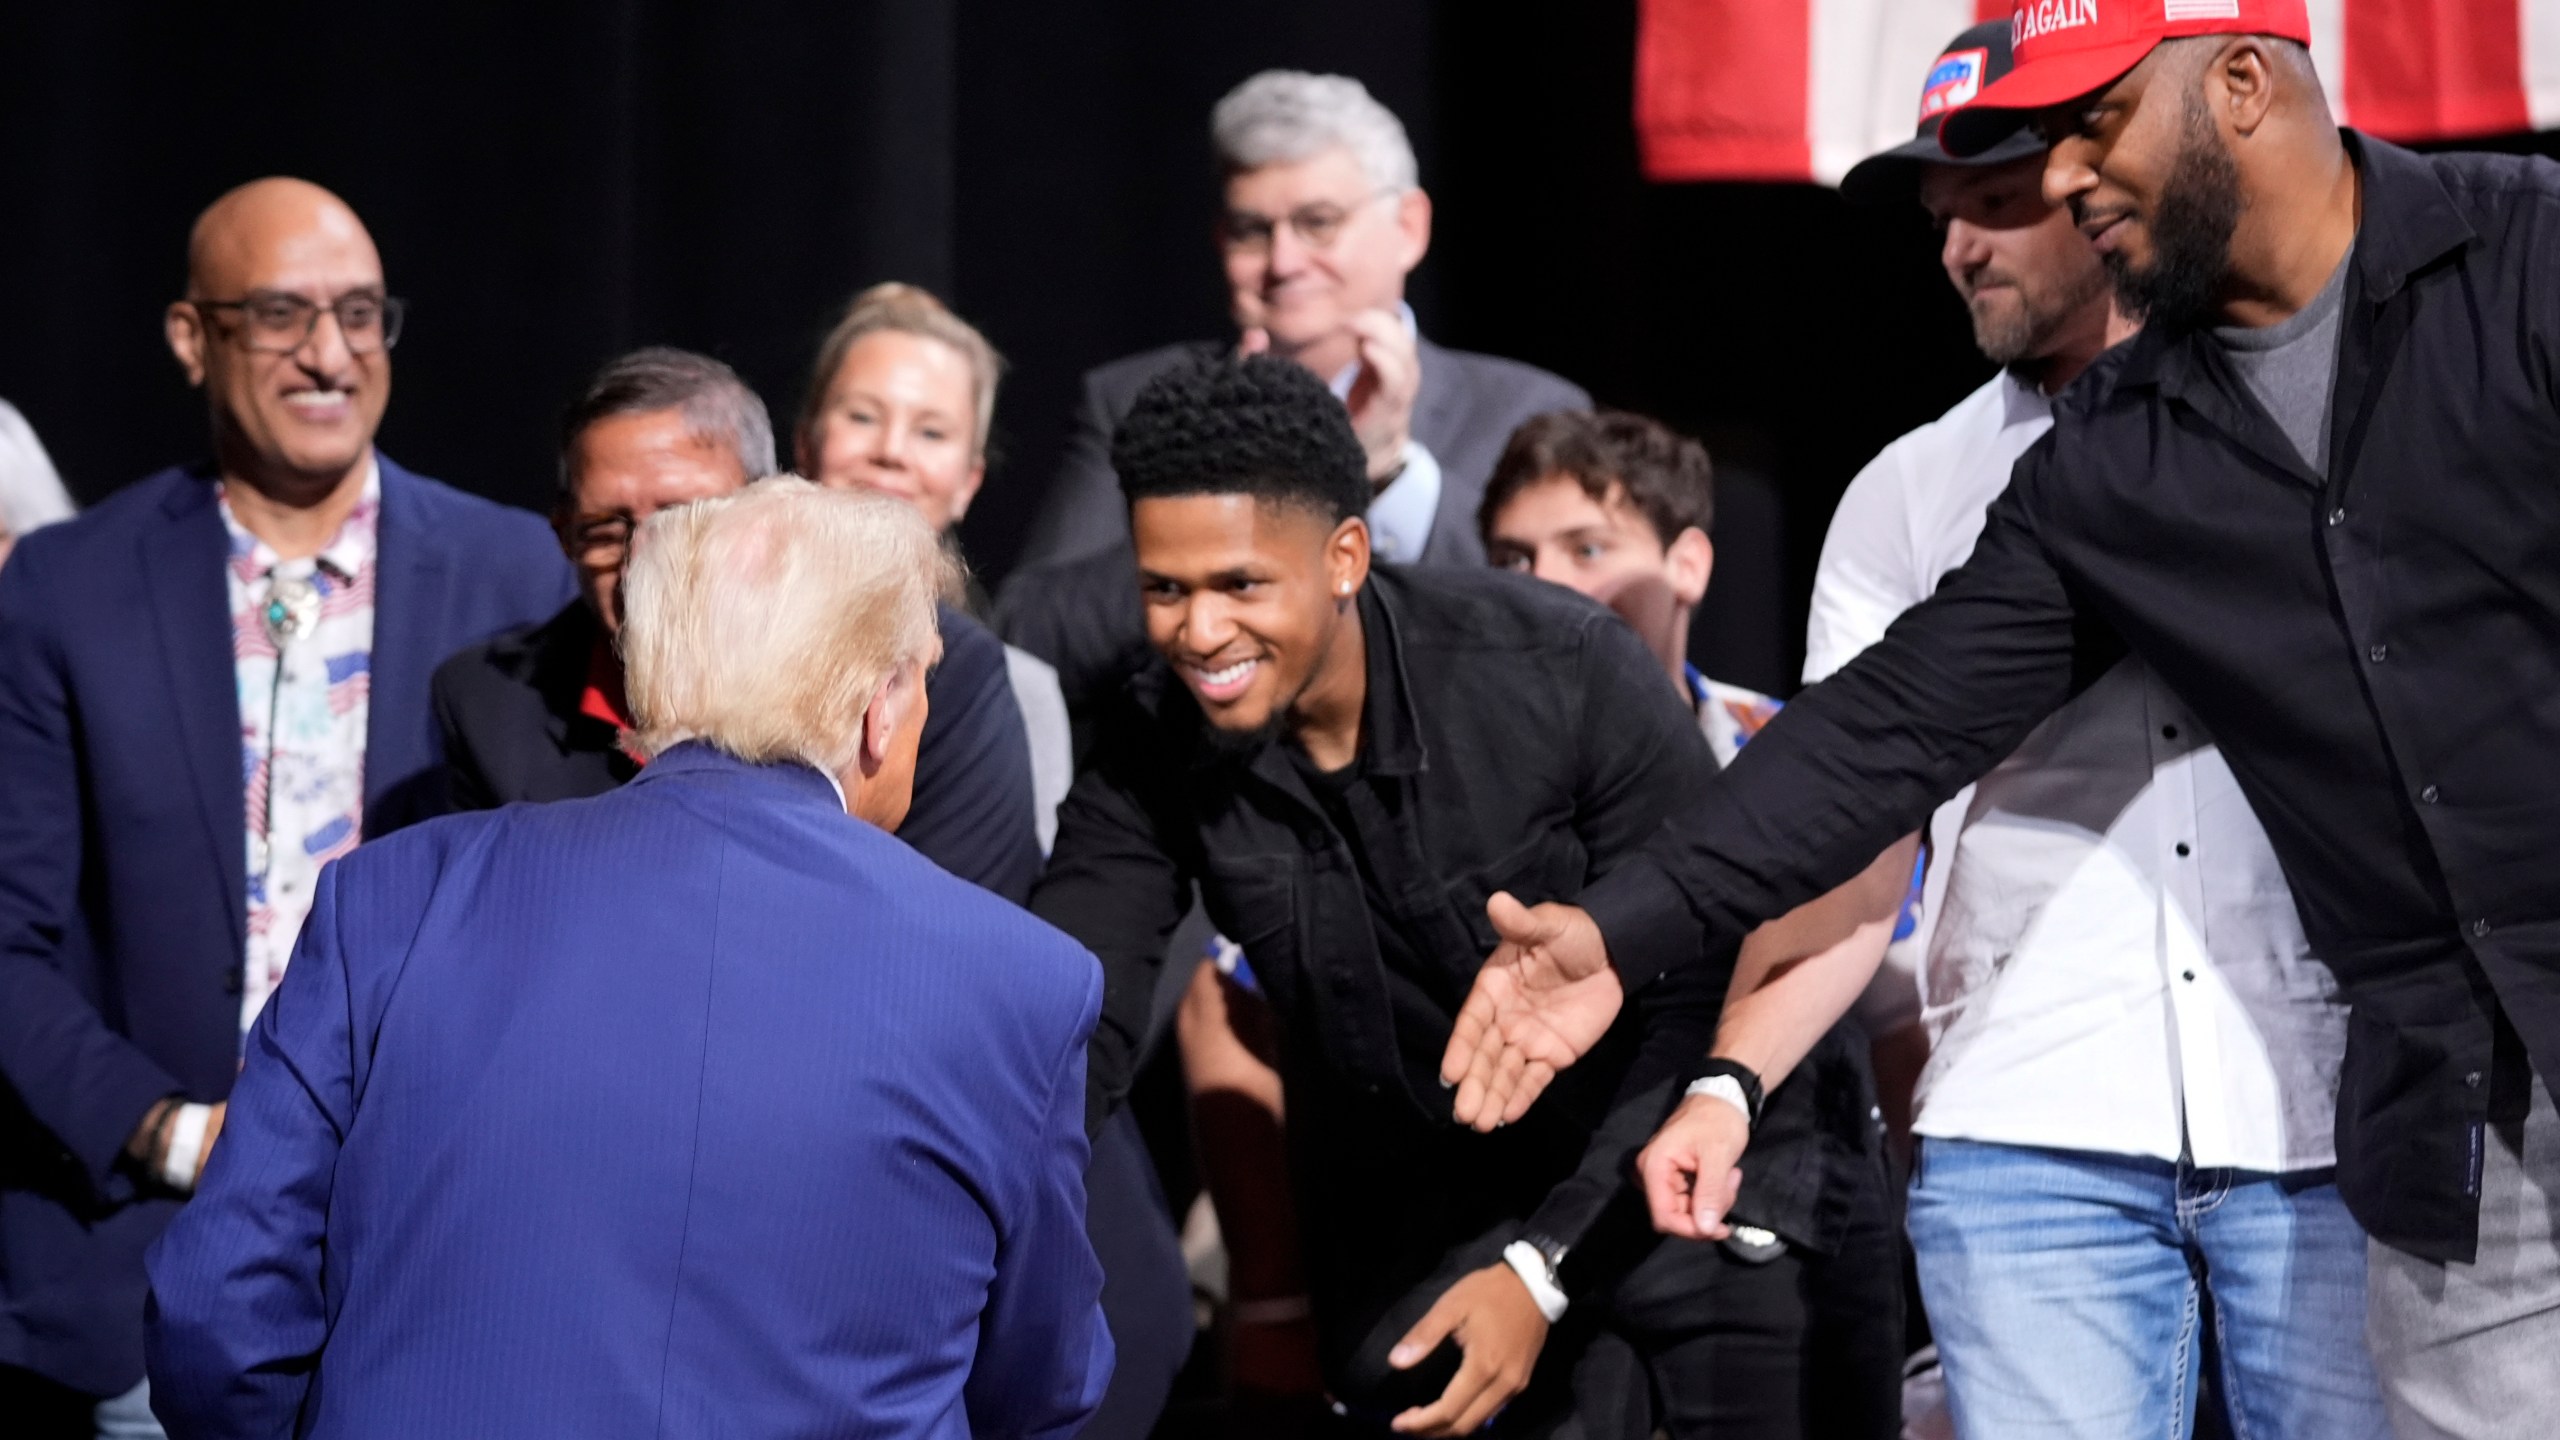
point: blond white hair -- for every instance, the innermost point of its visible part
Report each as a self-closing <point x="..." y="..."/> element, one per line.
<point x="905" y="310"/>
<point x="764" y="622"/>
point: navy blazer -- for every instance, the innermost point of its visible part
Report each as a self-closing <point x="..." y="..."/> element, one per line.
<point x="122" y="815"/>
<point x="695" y="1108"/>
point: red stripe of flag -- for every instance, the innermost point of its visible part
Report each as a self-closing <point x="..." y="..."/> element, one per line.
<point x="2435" y="69"/>
<point x="1721" y="89"/>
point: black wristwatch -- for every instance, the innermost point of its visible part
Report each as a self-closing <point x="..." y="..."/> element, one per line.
<point x="1550" y="1250"/>
<point x="1744" y="1078"/>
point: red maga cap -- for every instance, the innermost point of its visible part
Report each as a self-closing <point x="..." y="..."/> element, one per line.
<point x="2068" y="48"/>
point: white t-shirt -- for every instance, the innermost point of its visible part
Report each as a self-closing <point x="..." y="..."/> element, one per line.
<point x="2112" y="959"/>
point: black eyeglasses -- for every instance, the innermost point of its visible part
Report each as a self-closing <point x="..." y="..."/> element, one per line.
<point x="279" y="324"/>
<point x="600" y="541"/>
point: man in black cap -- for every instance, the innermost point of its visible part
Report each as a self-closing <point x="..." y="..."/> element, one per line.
<point x="2073" y="1087"/>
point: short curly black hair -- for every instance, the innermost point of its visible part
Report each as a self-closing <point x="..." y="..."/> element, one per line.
<point x="1259" y="426"/>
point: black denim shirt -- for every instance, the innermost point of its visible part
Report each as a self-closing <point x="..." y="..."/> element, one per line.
<point x="1516" y="737"/>
<point x="2377" y="649"/>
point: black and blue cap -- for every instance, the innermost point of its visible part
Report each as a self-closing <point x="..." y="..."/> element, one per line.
<point x="1969" y="65"/>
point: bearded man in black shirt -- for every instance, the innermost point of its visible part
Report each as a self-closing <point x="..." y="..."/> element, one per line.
<point x="2316" y="496"/>
<point x="1346" y="765"/>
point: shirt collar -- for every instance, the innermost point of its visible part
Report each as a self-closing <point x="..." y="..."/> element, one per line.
<point x="2022" y="403"/>
<point x="346" y="553"/>
<point x="2409" y="223"/>
<point x="1389" y="734"/>
<point x="1400" y="515"/>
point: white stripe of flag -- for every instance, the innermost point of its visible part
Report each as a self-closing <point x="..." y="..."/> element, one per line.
<point x="2541" y="23"/>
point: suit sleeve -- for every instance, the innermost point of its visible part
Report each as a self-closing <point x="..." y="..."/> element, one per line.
<point x="974" y="814"/>
<point x="1116" y="886"/>
<point x="83" y="1082"/>
<point x="1044" y="1352"/>
<point x="1857" y="762"/>
<point x="237" y="1316"/>
<point x="1082" y="511"/>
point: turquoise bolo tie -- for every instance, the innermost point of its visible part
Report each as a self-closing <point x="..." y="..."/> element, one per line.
<point x="292" y="609"/>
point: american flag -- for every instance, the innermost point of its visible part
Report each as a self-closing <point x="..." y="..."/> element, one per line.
<point x="1804" y="89"/>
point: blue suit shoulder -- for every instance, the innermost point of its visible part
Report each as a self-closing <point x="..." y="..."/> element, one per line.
<point x="500" y="543"/>
<point x="104" y="533"/>
<point x="1038" y="973"/>
<point x="425" y="849"/>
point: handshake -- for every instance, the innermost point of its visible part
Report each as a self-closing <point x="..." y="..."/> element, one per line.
<point x="1543" y="999"/>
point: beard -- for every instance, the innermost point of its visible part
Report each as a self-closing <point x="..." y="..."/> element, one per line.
<point x="2181" y="289"/>
<point x="2021" y="337"/>
<point x="1245" y="744"/>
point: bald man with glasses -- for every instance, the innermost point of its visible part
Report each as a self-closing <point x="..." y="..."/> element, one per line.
<point x="210" y="685"/>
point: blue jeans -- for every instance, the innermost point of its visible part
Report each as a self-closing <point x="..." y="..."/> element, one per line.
<point x="2067" y="1290"/>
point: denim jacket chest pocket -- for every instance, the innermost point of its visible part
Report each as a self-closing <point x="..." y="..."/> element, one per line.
<point x="1550" y="865"/>
<point x="1257" y="902"/>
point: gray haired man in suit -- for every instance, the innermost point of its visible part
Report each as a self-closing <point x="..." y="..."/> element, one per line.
<point x="1324" y="219"/>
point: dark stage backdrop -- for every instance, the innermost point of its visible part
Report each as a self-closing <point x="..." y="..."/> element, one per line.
<point x="553" y="183"/>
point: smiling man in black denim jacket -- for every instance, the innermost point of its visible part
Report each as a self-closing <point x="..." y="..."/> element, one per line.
<point x="1346" y="765"/>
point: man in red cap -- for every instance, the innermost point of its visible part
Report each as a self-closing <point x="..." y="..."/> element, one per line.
<point x="2315" y="496"/>
<point x="2073" y="1084"/>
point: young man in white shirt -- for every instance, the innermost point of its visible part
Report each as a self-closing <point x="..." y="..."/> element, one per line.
<point x="2125" y="1118"/>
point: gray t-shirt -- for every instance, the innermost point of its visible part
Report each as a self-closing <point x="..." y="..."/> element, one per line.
<point x="2291" y="366"/>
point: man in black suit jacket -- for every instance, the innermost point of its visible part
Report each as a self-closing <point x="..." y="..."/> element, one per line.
<point x="536" y="714"/>
<point x="1324" y="221"/>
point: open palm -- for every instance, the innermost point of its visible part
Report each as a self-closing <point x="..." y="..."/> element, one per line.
<point x="1542" y="1000"/>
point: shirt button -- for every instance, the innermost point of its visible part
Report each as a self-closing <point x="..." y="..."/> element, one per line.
<point x="2338" y="516"/>
<point x="2182" y="848"/>
<point x="2479" y="929"/>
<point x="2187" y="975"/>
<point x="2168" y="732"/>
<point x="2472" y="1079"/>
<point x="232" y="984"/>
<point x="2378" y="654"/>
<point x="2429" y="796"/>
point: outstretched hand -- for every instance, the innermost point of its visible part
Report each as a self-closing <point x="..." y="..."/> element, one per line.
<point x="1690" y="1168"/>
<point x="1542" y="1000"/>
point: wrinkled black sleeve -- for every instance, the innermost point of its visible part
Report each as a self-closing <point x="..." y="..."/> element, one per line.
<point x="1861" y="759"/>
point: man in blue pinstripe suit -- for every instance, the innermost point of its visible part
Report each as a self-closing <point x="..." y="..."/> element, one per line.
<point x="703" y="1107"/>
